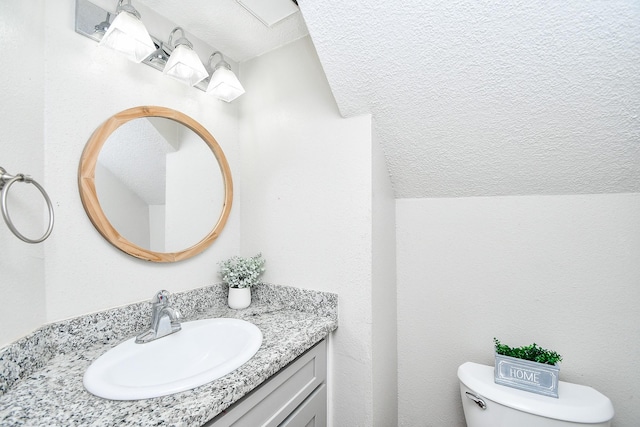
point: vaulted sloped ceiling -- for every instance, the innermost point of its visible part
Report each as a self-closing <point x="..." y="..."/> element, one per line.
<point x="491" y="98"/>
<point x="483" y="98"/>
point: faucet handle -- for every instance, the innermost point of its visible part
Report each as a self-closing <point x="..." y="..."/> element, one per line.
<point x="161" y="297"/>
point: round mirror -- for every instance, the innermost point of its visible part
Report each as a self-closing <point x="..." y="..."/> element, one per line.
<point x="155" y="184"/>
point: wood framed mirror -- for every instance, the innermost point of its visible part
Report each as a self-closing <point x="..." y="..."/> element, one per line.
<point x="155" y="184"/>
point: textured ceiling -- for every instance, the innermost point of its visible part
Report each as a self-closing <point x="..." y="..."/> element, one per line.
<point x="491" y="98"/>
<point x="143" y="167"/>
<point x="469" y="98"/>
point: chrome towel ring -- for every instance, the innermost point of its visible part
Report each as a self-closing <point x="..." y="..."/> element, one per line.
<point x="6" y="181"/>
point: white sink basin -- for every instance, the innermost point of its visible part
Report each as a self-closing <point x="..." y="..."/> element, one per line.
<point x="201" y="352"/>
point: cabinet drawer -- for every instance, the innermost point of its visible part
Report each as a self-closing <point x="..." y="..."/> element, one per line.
<point x="312" y="412"/>
<point x="276" y="398"/>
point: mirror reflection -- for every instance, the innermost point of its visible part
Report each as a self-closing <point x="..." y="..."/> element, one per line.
<point x="163" y="191"/>
<point x="155" y="184"/>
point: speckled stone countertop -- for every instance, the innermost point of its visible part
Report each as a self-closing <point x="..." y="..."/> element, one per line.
<point x="41" y="374"/>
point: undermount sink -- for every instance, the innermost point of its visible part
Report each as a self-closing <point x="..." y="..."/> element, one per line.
<point x="204" y="350"/>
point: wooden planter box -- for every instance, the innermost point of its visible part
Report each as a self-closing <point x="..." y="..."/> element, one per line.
<point x="525" y="375"/>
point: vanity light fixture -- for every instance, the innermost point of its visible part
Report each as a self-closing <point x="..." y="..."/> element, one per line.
<point x="127" y="34"/>
<point x="224" y="84"/>
<point x="175" y="59"/>
<point x="184" y="64"/>
<point x="101" y="28"/>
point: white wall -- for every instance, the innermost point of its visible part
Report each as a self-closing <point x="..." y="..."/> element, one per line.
<point x="307" y="206"/>
<point x="124" y="209"/>
<point x="58" y="87"/>
<point x="84" y="85"/>
<point x="195" y="192"/>
<point x="384" y="299"/>
<point x="157" y="220"/>
<point x="21" y="151"/>
<point x="562" y="271"/>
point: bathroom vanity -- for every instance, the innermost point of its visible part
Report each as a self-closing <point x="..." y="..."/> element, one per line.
<point x="284" y="383"/>
<point x="295" y="396"/>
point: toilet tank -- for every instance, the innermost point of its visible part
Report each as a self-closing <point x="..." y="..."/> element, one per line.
<point x="508" y="407"/>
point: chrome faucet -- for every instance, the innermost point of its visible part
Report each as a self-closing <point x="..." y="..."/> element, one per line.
<point x="164" y="319"/>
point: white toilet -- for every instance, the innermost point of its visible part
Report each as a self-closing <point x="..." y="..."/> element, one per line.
<point x="487" y="404"/>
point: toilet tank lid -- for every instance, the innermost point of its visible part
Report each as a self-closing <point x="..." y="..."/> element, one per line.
<point x="576" y="403"/>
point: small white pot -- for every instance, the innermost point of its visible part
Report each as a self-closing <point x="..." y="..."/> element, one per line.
<point x="239" y="298"/>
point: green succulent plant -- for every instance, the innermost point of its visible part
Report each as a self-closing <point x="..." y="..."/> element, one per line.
<point x="531" y="352"/>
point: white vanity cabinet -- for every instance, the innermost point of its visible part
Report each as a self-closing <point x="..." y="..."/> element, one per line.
<point x="294" y="397"/>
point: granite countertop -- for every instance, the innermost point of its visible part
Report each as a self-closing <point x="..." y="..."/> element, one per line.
<point x="41" y="374"/>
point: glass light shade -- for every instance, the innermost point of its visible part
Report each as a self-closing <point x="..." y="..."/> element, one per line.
<point x="128" y="35"/>
<point x="225" y="85"/>
<point x="185" y="65"/>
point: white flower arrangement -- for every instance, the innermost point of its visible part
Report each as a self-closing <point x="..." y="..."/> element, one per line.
<point x="240" y="272"/>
